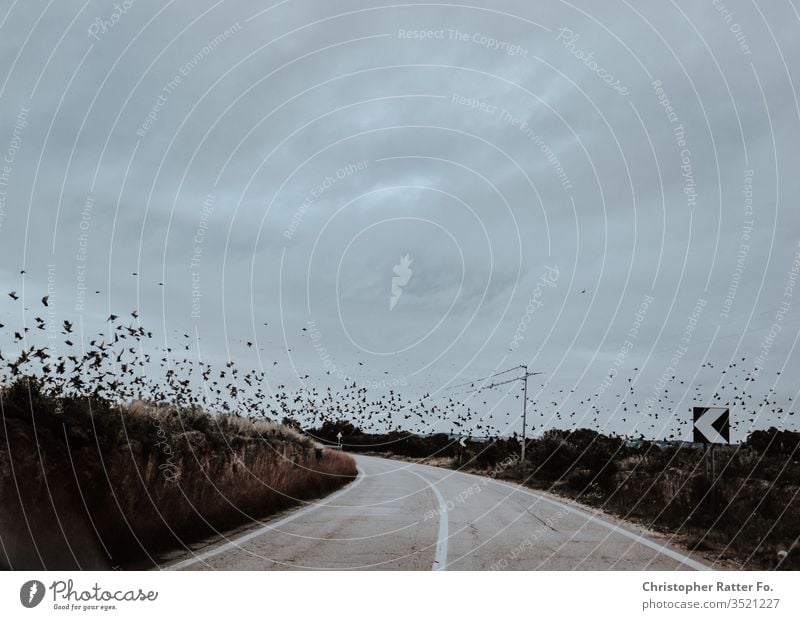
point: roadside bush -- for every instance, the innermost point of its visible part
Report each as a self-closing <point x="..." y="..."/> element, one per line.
<point x="90" y="484"/>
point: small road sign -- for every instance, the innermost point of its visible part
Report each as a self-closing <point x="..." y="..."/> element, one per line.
<point x="712" y="425"/>
<point x="461" y="441"/>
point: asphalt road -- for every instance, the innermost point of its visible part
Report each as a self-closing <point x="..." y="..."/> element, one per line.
<point x="403" y="516"/>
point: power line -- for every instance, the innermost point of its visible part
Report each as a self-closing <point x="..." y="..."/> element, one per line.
<point x="474" y="381"/>
<point x="524" y="379"/>
<point x="494" y="385"/>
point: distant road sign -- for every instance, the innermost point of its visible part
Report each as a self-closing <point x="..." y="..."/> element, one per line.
<point x="461" y="441"/>
<point x="712" y="425"/>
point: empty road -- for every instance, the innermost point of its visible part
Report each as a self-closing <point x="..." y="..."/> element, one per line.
<point x="403" y="516"/>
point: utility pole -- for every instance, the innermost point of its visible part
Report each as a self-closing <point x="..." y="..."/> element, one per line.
<point x="524" y="415"/>
<point x="524" y="377"/>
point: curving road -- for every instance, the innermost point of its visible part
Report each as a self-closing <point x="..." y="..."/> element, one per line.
<point x="403" y="516"/>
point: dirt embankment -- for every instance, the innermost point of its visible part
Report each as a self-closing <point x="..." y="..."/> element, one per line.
<point x="92" y="485"/>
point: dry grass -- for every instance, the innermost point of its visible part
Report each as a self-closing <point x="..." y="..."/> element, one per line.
<point x="102" y="485"/>
<point x="232" y="472"/>
<point x="227" y="423"/>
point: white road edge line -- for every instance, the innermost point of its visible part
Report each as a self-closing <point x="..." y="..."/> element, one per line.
<point x="663" y="549"/>
<point x="440" y="557"/>
<point x="237" y="542"/>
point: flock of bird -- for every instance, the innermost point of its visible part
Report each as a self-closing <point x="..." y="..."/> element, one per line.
<point x="124" y="364"/>
<point x="641" y="410"/>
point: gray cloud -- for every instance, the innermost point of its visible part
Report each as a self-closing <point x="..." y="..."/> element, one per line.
<point x="487" y="157"/>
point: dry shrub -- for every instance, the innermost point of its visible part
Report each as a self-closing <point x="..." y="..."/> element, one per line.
<point x="103" y="485"/>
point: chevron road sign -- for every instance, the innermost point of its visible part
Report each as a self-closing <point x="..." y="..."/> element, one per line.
<point x="712" y="425"/>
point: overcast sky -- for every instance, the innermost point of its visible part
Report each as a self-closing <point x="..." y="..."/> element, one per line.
<point x="603" y="194"/>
